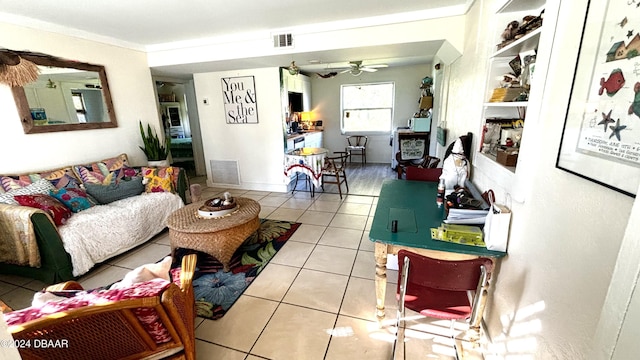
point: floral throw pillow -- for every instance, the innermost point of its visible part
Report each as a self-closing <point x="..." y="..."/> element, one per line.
<point x="41" y="186"/>
<point x="158" y="179"/>
<point x="92" y="176"/>
<point x="55" y="208"/>
<point x="61" y="178"/>
<point x="102" y="172"/>
<point x="75" y="199"/>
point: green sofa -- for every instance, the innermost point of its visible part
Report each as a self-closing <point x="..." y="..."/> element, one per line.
<point x="55" y="263"/>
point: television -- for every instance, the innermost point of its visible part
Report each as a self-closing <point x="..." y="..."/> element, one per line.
<point x="295" y="102"/>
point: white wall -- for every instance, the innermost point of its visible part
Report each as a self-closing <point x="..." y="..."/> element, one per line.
<point x="313" y="38"/>
<point x="566" y="232"/>
<point x="133" y="98"/>
<point x="258" y="148"/>
<point x="325" y="103"/>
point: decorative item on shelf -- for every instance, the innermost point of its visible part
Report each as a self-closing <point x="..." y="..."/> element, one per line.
<point x="426" y="102"/>
<point x="529" y="23"/>
<point x="425" y="85"/>
<point x="510" y="31"/>
<point x="516" y="65"/>
<point x="508" y="80"/>
<point x="516" y="30"/>
<point x="507" y="156"/>
<point x="513" y="93"/>
<point x="508" y="142"/>
<point x="528" y="63"/>
<point x="490" y="138"/>
<point x="157" y="154"/>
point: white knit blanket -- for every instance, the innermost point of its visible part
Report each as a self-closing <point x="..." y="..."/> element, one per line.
<point x="101" y="232"/>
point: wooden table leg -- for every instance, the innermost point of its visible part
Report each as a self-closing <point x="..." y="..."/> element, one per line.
<point x="381" y="278"/>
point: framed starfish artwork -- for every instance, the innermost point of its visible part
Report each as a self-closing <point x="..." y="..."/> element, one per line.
<point x="601" y="136"/>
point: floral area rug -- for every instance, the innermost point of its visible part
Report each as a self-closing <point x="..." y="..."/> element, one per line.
<point x="215" y="290"/>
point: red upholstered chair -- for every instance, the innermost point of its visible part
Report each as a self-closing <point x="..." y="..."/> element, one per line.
<point x="425" y="161"/>
<point x="443" y="289"/>
<point x="423" y="174"/>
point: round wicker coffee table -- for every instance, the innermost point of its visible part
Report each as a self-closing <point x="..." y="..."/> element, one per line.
<point x="218" y="237"/>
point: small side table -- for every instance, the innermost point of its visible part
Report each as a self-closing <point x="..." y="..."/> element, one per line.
<point x="218" y="237"/>
<point x="308" y="161"/>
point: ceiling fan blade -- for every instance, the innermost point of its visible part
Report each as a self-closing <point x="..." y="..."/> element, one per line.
<point x="345" y="71"/>
<point x="368" y="69"/>
<point x="377" y="66"/>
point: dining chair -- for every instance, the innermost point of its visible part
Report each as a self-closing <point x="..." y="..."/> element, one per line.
<point x="442" y="289"/>
<point x="423" y="174"/>
<point x="334" y="168"/>
<point x="426" y="161"/>
<point x="357" y="143"/>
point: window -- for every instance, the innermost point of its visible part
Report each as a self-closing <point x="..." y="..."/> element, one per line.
<point x="78" y="104"/>
<point x="367" y="108"/>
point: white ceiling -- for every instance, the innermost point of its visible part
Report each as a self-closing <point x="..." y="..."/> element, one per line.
<point x="162" y="24"/>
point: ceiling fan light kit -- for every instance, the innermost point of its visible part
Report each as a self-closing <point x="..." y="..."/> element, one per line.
<point x="356" y="68"/>
<point x="293" y="69"/>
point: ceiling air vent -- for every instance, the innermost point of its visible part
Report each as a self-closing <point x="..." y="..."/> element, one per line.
<point x="282" y="40"/>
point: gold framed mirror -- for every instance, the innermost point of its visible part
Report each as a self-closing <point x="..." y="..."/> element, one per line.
<point x="68" y="95"/>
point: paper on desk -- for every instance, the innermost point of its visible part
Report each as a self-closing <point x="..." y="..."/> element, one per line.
<point x="467" y="221"/>
<point x="466" y="213"/>
<point x="466" y="216"/>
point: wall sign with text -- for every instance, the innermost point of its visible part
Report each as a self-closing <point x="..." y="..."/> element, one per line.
<point x="239" y="98"/>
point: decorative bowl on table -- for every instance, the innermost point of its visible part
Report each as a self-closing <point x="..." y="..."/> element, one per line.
<point x="218" y="207"/>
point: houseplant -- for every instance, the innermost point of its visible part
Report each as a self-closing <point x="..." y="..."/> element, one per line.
<point x="157" y="153"/>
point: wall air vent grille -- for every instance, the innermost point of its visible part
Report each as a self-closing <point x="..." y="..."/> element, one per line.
<point x="225" y="172"/>
<point x="283" y="41"/>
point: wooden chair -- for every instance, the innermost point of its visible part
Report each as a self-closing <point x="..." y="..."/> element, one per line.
<point x="357" y="143"/>
<point x="112" y="330"/>
<point x="334" y="168"/>
<point x="423" y="174"/>
<point x="443" y="289"/>
<point x="426" y="161"/>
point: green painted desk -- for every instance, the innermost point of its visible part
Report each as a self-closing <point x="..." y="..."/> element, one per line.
<point x="413" y="204"/>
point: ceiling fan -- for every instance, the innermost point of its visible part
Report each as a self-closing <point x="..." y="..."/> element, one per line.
<point x="356" y="68"/>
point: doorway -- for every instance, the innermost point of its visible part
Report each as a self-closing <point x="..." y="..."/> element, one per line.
<point x="178" y="110"/>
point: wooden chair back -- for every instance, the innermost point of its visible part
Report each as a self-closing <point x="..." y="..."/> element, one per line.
<point x="357" y="144"/>
<point x="334" y="169"/>
<point x="112" y="330"/>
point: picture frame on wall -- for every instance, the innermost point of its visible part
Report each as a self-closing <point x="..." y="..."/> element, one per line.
<point x="239" y="99"/>
<point x="601" y="135"/>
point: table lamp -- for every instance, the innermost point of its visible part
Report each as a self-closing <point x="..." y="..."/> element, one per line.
<point x="306" y="116"/>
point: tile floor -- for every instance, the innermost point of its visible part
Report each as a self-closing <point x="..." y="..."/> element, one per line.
<point x="314" y="300"/>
